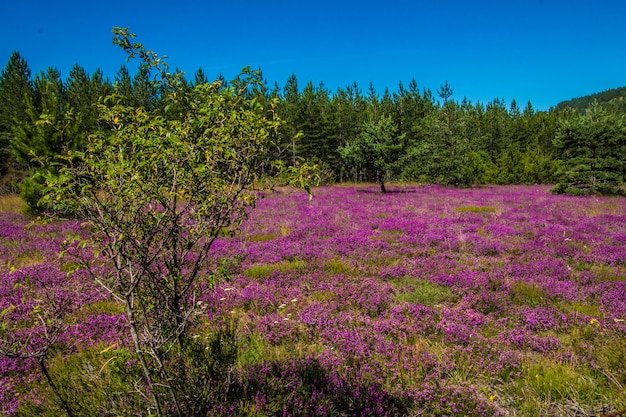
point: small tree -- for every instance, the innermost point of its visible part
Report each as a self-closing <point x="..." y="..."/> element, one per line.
<point x="593" y="149"/>
<point x="376" y="149"/>
<point x="157" y="191"/>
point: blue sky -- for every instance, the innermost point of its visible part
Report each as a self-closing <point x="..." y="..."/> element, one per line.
<point x="539" y="50"/>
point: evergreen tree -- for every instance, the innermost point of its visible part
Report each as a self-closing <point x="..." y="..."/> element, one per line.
<point x="494" y="128"/>
<point x="329" y="141"/>
<point x="447" y="154"/>
<point x="145" y="92"/>
<point x="100" y="86"/>
<point x="359" y="103"/>
<point x="15" y="88"/>
<point x="373" y="103"/>
<point x="411" y="109"/>
<point x="346" y="123"/>
<point x="123" y="85"/>
<point x="445" y="92"/>
<point x="81" y="96"/>
<point x="387" y="105"/>
<point x="377" y="149"/>
<point x="200" y="77"/>
<point x="290" y="113"/>
<point x="222" y="81"/>
<point x="593" y="149"/>
<point x="52" y="127"/>
<point x="318" y="141"/>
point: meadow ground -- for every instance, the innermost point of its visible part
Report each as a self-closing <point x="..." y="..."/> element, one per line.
<point x="423" y="301"/>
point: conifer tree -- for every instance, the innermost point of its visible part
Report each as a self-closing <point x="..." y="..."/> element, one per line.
<point x="15" y="88"/>
<point x="81" y="97"/>
<point x="144" y="90"/>
<point x="445" y="92"/>
<point x="593" y="149"/>
<point x="290" y="113"/>
<point x="123" y="85"/>
<point x="52" y="127"/>
<point x="200" y="77"/>
<point x="345" y="123"/>
<point x="376" y="149"/>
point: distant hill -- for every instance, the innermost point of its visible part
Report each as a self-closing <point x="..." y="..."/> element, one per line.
<point x="581" y="103"/>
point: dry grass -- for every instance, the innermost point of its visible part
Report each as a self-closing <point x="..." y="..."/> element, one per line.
<point x="611" y="207"/>
<point x="21" y="260"/>
<point x="12" y="203"/>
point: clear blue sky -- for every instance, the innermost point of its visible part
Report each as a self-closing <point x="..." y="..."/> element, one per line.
<point x="539" y="50"/>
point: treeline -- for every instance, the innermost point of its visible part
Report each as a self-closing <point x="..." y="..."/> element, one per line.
<point x="614" y="95"/>
<point x="434" y="138"/>
<point x="351" y="134"/>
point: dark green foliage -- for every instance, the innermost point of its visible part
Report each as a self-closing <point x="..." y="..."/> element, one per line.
<point x="317" y="140"/>
<point x="348" y="109"/>
<point x="377" y="149"/>
<point x="447" y="141"/>
<point x="289" y="110"/>
<point x="81" y="95"/>
<point x="123" y="85"/>
<point x="582" y="103"/>
<point x="446" y="153"/>
<point x="41" y="119"/>
<point x="51" y="128"/>
<point x="445" y="92"/>
<point x="200" y="77"/>
<point x="15" y="87"/>
<point x="593" y="149"/>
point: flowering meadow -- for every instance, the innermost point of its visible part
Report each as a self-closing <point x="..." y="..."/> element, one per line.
<point x="492" y="301"/>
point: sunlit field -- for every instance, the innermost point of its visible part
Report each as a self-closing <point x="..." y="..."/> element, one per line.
<point x="425" y="301"/>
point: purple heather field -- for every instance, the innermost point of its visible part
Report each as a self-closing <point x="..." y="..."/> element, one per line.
<point x="484" y="301"/>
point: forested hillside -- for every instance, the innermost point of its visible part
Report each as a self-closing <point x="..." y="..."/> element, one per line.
<point x="614" y="95"/>
<point x="355" y="133"/>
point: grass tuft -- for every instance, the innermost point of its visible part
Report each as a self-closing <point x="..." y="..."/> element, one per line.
<point x="476" y="209"/>
<point x="12" y="203"/>
<point x="524" y="293"/>
<point x="422" y="292"/>
<point x="261" y="238"/>
<point x="265" y="270"/>
<point x="549" y="386"/>
<point x="27" y="258"/>
<point x="339" y="267"/>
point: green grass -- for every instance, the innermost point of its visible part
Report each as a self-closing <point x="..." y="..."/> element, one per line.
<point x="265" y="270"/>
<point x="339" y="267"/>
<point x="585" y="309"/>
<point x="96" y="381"/>
<point x="605" y="272"/>
<point x="422" y="292"/>
<point x="476" y="209"/>
<point x="549" y="387"/>
<point x="524" y="293"/>
<point x="261" y="238"/>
